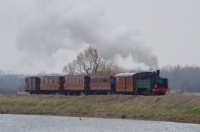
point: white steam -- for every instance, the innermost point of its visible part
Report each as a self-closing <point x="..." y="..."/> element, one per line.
<point x="56" y="26"/>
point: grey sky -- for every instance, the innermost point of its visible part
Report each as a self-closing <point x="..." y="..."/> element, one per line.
<point x="168" y="30"/>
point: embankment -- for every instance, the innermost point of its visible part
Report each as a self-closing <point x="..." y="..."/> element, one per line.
<point x="178" y="108"/>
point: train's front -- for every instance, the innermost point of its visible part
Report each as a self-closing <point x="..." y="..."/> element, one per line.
<point x="161" y="85"/>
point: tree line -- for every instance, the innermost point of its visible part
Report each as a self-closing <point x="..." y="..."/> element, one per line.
<point x="11" y="83"/>
<point x="185" y="78"/>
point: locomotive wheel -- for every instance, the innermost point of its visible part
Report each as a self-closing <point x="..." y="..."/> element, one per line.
<point x="147" y="92"/>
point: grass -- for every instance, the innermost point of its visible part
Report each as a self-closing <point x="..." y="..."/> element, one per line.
<point x="178" y="108"/>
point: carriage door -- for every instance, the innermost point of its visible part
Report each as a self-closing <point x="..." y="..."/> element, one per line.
<point x="87" y="83"/>
<point x="37" y="83"/>
<point x="120" y="84"/>
<point x="129" y="84"/>
<point x="61" y="83"/>
<point x="123" y="84"/>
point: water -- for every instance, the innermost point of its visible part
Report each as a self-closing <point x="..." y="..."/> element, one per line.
<point x="38" y="123"/>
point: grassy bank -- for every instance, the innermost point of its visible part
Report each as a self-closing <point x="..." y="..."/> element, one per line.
<point x="178" y="108"/>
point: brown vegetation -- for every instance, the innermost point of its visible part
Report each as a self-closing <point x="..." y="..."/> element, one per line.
<point x="178" y="108"/>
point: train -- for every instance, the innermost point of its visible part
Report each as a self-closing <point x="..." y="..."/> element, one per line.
<point x="141" y="83"/>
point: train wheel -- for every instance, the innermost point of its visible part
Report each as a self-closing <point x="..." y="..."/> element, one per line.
<point x="162" y="94"/>
<point x="147" y="92"/>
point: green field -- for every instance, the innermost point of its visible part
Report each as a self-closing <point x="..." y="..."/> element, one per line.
<point x="178" y="108"/>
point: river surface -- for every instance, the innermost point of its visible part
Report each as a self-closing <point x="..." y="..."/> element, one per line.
<point x="38" y="123"/>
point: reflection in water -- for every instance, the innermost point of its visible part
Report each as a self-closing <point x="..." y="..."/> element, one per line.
<point x="38" y="123"/>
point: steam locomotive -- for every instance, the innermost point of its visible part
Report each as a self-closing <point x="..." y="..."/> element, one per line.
<point x="142" y="83"/>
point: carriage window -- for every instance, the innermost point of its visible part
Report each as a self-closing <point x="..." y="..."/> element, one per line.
<point x="81" y="80"/>
<point x="104" y="80"/>
<point x="78" y="80"/>
<point x="96" y="79"/>
<point x="117" y="80"/>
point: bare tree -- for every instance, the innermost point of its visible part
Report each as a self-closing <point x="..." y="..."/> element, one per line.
<point x="70" y="68"/>
<point x="110" y="67"/>
<point x="114" y="68"/>
<point x="89" y="62"/>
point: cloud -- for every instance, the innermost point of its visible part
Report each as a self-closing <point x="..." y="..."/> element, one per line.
<point x="55" y="26"/>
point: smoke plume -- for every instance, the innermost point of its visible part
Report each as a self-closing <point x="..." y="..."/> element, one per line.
<point x="55" y="26"/>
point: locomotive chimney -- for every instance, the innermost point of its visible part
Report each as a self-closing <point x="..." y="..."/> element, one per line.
<point x="158" y="73"/>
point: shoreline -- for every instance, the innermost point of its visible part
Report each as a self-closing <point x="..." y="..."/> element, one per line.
<point x="173" y="108"/>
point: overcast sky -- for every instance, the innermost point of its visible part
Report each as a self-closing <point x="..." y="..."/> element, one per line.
<point x="44" y="35"/>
